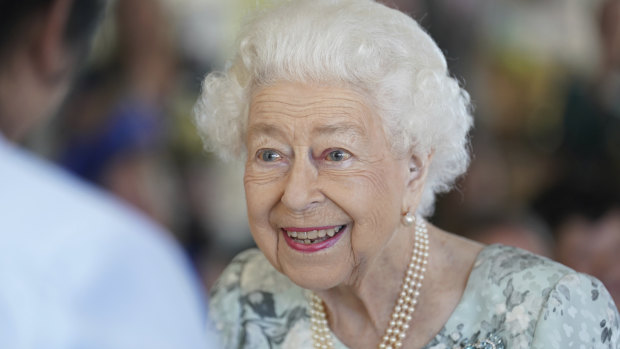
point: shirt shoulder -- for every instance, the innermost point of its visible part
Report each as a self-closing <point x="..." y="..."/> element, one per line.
<point x="42" y="202"/>
<point x="510" y="292"/>
<point x="251" y="272"/>
<point x="75" y="256"/>
<point x="499" y="265"/>
<point x="254" y="306"/>
<point x="578" y="313"/>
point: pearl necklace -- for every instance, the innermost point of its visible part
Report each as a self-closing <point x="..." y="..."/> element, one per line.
<point x="403" y="309"/>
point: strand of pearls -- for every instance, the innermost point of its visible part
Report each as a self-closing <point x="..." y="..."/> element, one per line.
<point x="321" y="335"/>
<point x="403" y="309"/>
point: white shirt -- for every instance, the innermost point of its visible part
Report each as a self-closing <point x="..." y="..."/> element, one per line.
<point x="79" y="270"/>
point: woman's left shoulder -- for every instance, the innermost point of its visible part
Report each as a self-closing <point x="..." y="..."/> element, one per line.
<point x="521" y="275"/>
<point x="502" y="263"/>
<point x="578" y="312"/>
<point x="560" y="307"/>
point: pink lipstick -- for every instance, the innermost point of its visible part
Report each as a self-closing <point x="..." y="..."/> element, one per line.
<point x="312" y="239"/>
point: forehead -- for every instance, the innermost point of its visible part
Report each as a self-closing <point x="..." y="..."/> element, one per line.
<point x="285" y="103"/>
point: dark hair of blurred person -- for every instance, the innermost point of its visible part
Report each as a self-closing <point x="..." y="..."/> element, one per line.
<point x="81" y="23"/>
<point x="40" y="43"/>
<point x="77" y="268"/>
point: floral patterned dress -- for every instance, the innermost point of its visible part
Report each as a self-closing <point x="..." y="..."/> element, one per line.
<point x="513" y="299"/>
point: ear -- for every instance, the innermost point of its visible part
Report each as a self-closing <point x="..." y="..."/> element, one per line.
<point x="417" y="171"/>
<point x="50" y="54"/>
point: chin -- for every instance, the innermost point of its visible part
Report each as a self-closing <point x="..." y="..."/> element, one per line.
<point x="314" y="280"/>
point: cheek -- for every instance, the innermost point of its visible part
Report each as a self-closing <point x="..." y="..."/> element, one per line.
<point x="262" y="195"/>
<point x="262" y="190"/>
<point x="372" y="197"/>
<point x="261" y="198"/>
<point x="378" y="201"/>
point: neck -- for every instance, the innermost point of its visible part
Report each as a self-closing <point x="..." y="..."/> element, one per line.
<point x="365" y="304"/>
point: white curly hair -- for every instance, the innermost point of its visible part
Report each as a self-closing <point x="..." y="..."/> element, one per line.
<point x="356" y="43"/>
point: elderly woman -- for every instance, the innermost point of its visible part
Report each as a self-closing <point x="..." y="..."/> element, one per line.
<point x="349" y="124"/>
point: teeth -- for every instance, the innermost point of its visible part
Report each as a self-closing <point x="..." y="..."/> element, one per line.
<point x="307" y="237"/>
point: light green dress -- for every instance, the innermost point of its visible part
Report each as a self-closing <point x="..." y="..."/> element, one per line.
<point x="513" y="300"/>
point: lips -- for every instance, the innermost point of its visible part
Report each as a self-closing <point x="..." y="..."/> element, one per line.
<point x="313" y="238"/>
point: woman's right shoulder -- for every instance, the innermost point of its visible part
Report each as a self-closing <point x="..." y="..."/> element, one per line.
<point x="249" y="291"/>
<point x="230" y="278"/>
<point x="249" y="272"/>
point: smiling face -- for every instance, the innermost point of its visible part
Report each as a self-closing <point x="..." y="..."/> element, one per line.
<point x="325" y="192"/>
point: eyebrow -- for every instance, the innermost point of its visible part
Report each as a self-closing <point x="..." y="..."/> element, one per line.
<point x="341" y="128"/>
<point x="265" y="129"/>
<point x="325" y="130"/>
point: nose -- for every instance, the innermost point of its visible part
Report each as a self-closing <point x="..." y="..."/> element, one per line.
<point x="301" y="191"/>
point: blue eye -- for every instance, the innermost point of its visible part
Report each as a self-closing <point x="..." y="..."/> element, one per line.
<point x="337" y="155"/>
<point x="269" y="155"/>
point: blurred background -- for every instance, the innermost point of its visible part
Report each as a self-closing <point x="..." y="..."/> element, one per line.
<point x="544" y="77"/>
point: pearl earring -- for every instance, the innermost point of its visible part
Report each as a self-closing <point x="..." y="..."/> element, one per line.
<point x="408" y="218"/>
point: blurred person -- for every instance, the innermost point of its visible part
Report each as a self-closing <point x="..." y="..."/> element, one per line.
<point x="77" y="268"/>
<point x="120" y="127"/>
<point x="592" y="245"/>
<point x="349" y="124"/>
<point x="581" y="205"/>
<point x="591" y="120"/>
<point x="522" y="232"/>
<point x="584" y="216"/>
<point x="609" y="20"/>
<point x="115" y="126"/>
